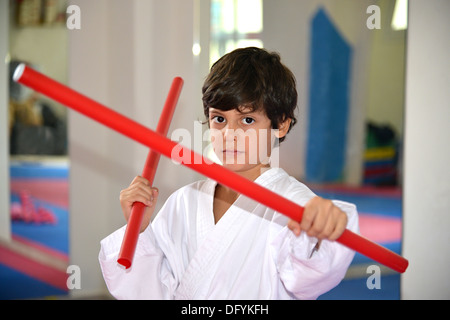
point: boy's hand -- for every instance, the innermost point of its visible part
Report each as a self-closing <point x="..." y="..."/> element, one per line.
<point x="141" y="191"/>
<point x="321" y="219"/>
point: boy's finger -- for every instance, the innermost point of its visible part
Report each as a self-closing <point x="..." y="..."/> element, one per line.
<point x="339" y="229"/>
<point x="139" y="179"/>
<point x="294" y="226"/>
<point x="138" y="194"/>
<point x="307" y="219"/>
<point x="328" y="228"/>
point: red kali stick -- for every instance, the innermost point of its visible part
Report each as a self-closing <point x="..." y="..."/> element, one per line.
<point x="137" y="211"/>
<point x="164" y="146"/>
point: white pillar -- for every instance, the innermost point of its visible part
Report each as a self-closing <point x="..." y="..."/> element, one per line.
<point x="125" y="56"/>
<point x="426" y="218"/>
<point x="5" y="217"/>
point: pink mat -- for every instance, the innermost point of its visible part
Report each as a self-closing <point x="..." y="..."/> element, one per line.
<point x="54" y="191"/>
<point x="380" y="229"/>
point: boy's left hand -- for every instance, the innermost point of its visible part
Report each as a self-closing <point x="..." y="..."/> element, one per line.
<point x="321" y="219"/>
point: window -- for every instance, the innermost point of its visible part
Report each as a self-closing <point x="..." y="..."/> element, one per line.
<point x="235" y="24"/>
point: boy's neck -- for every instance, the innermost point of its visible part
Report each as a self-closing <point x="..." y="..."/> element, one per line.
<point x="224" y="197"/>
<point x="254" y="172"/>
<point x="251" y="174"/>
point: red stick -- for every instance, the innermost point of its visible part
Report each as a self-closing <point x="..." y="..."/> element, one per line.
<point x="164" y="146"/>
<point x="137" y="212"/>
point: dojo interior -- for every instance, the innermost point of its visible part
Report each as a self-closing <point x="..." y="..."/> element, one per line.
<point x="372" y="78"/>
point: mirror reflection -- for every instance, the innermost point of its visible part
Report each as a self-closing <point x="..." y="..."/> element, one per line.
<point x="349" y="61"/>
<point x="36" y="257"/>
<point x="350" y="68"/>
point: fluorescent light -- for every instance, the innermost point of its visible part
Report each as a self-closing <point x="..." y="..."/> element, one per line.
<point x="196" y="49"/>
<point x="400" y="17"/>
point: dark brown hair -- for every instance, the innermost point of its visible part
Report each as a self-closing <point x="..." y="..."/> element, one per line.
<point x="252" y="78"/>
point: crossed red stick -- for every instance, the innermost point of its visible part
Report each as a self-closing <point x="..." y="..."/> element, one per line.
<point x="160" y="144"/>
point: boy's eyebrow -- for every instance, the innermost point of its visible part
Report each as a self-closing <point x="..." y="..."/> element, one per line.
<point x="244" y="111"/>
<point x="251" y="111"/>
<point x="212" y="110"/>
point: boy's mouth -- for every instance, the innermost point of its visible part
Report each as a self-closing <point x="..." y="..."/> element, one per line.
<point x="230" y="151"/>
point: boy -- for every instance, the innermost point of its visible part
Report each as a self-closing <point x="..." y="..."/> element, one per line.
<point x="207" y="241"/>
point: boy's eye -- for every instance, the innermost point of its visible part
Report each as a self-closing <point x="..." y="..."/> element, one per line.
<point x="248" y="120"/>
<point x="218" y="119"/>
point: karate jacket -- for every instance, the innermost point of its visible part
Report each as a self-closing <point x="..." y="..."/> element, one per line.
<point x="249" y="254"/>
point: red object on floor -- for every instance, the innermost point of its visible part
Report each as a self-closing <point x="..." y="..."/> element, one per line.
<point x="26" y="211"/>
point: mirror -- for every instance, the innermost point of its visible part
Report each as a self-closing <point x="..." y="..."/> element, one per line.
<point x="355" y="157"/>
<point x="38" y="164"/>
<point x="349" y="60"/>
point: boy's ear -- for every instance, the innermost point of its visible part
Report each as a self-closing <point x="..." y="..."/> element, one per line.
<point x="283" y="128"/>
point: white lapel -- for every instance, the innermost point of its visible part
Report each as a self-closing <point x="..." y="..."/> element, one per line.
<point x="214" y="239"/>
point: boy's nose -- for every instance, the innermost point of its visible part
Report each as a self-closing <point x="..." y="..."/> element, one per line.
<point x="230" y="132"/>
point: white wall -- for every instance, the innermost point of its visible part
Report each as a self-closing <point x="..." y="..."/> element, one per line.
<point x="426" y="219"/>
<point x="386" y="72"/>
<point x="125" y="56"/>
<point x="5" y="224"/>
<point x="45" y="47"/>
<point x="287" y="31"/>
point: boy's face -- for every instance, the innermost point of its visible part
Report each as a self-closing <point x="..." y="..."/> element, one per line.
<point x="242" y="140"/>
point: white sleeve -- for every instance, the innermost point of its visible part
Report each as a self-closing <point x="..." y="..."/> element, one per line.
<point x="149" y="277"/>
<point x="306" y="273"/>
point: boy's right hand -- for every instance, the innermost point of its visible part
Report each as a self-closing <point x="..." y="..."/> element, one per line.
<point x="139" y="190"/>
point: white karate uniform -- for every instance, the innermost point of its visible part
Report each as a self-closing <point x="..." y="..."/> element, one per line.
<point x="249" y="254"/>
